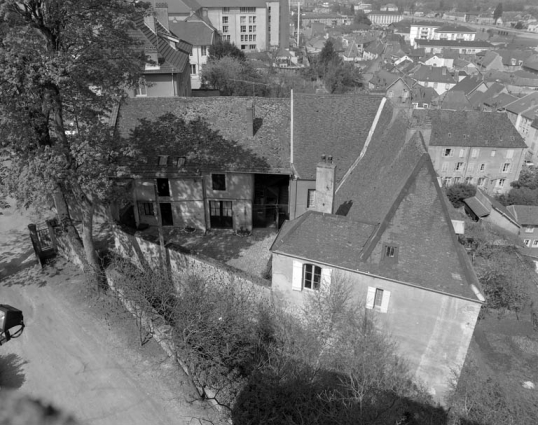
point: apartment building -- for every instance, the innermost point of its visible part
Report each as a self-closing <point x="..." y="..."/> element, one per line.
<point x="436" y="31"/>
<point x="252" y="25"/>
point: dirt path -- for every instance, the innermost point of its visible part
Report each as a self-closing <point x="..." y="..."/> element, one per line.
<point x="79" y="354"/>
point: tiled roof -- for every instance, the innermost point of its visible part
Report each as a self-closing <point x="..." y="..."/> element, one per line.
<point x="196" y="33"/>
<point x="522" y="104"/>
<point x="482" y="203"/>
<point x="471" y="128"/>
<point x="227" y="116"/>
<point x="478" y="98"/>
<point x="454" y="28"/>
<point x="326" y="238"/>
<point x="182" y="6"/>
<point x="174" y="60"/>
<point x="394" y="184"/>
<point x="383" y="79"/>
<point x="453" y="43"/>
<point x="534" y="124"/>
<point x="455" y="101"/>
<point x="468" y="84"/>
<point x="427" y="73"/>
<point x="333" y="125"/>
<point x="500" y="101"/>
<point x="477" y="207"/>
<point x="526" y="215"/>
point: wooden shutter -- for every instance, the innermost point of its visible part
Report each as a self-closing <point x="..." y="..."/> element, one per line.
<point x="370" y="297"/>
<point x="326" y="275"/>
<point x="385" y="301"/>
<point x="297" y="278"/>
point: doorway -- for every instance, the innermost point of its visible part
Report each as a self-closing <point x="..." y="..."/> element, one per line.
<point x="220" y="214"/>
<point x="166" y="214"/>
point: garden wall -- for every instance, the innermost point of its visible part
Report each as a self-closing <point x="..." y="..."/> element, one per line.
<point x="143" y="250"/>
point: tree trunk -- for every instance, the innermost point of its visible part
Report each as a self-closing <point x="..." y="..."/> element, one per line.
<point x="95" y="274"/>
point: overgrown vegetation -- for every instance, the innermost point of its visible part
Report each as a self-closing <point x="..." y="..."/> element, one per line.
<point x="524" y="190"/>
<point x="267" y="364"/>
<point x="458" y="192"/>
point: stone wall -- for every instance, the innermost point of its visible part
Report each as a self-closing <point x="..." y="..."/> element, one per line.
<point x="144" y="251"/>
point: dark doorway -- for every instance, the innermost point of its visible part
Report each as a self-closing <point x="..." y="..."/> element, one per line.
<point x="163" y="188"/>
<point x="221" y="216"/>
<point x="271" y="199"/>
<point x="166" y="214"/>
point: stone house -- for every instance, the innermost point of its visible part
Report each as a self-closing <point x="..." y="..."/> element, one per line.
<point x="439" y="78"/>
<point x="523" y="112"/>
<point x="240" y="183"/>
<point x="527" y="217"/>
<point x="384" y="229"/>
<point x="479" y="148"/>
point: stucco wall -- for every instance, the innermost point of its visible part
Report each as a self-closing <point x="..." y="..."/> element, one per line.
<point x="215" y="15"/>
<point x="433" y="330"/>
<point x="299" y="196"/>
<point x="493" y="165"/>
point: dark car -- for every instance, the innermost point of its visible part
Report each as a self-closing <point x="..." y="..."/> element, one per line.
<point x="11" y="323"/>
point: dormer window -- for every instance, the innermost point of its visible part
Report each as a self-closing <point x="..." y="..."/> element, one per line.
<point x="180" y="161"/>
<point x="390" y="253"/>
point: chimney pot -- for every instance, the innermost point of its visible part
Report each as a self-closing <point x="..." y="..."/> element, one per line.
<point x="323" y="158"/>
<point x="330" y="159"/>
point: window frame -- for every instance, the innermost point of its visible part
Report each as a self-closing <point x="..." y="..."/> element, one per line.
<point x="475" y="152"/>
<point x="160" y="185"/>
<point x="148" y="209"/>
<point x="535" y="243"/>
<point x="311" y="198"/>
<point x="500" y="183"/>
<point x="373" y="295"/>
<point x="529" y="229"/>
<point x="448" y="152"/>
<point x="310" y="283"/>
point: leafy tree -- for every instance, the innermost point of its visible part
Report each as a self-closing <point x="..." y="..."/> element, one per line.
<point x="234" y="77"/>
<point x="342" y="77"/>
<point x="458" y="192"/>
<point x="361" y="18"/>
<point x="498" y="12"/>
<point x="223" y="48"/>
<point x="64" y="65"/>
<point x="524" y="190"/>
<point x="327" y="56"/>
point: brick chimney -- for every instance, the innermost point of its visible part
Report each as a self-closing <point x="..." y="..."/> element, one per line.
<point x="249" y="119"/>
<point x="325" y="184"/>
<point x="161" y="14"/>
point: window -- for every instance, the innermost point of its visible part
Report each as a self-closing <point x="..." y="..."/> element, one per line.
<point x="252" y="28"/>
<point x="225" y="10"/>
<point x="247" y="9"/>
<point x="500" y="183"/>
<point x="180" y="161"/>
<point x="462" y="153"/>
<point x="218" y="181"/>
<point x="482" y="168"/>
<point x="243" y="37"/>
<point x="444" y="167"/>
<point x="252" y="47"/>
<point x="146" y="208"/>
<point x="141" y="90"/>
<point x="447" y="181"/>
<point x="509" y="154"/>
<point x="163" y="160"/>
<point x="243" y="28"/>
<point x="448" y="152"/>
<point x="243" y="20"/>
<point x="225" y="28"/>
<point x="458" y="166"/>
<point x="224" y="19"/>
<point x="204" y="50"/>
<point x="529" y="229"/>
<point x="390" y="254"/>
<point x="527" y="242"/>
<point x="457" y="180"/>
<point x="243" y="46"/>
<point x="493" y="152"/>
<point x="470" y="167"/>
<point x="311" y="277"/>
<point x="193" y="69"/>
<point x="475" y="152"/>
<point x="163" y="188"/>
<point x="505" y="168"/>
<point x="251" y="19"/>
<point x="226" y="37"/>
<point x="311" y="198"/>
<point x="535" y="243"/>
<point x="469" y="180"/>
<point x="481" y="181"/>
<point x="377" y="299"/>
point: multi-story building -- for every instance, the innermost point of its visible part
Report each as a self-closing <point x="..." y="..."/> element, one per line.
<point x="479" y="148"/>
<point x="251" y="25"/>
<point x="523" y="113"/>
<point x="436" y="31"/>
<point x="385" y="18"/>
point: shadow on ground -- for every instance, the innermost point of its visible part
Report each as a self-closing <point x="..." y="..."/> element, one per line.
<point x="11" y="371"/>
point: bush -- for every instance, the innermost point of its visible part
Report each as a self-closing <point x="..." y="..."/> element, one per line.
<point x="458" y="192"/>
